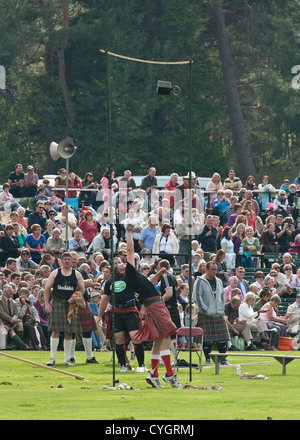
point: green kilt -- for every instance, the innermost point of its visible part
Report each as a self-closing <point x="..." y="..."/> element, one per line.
<point x="58" y="318"/>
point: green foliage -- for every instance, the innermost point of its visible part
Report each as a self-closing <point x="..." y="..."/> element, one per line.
<point x="147" y="129"/>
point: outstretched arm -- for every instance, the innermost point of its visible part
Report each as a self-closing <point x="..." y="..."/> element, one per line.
<point x="130" y="245"/>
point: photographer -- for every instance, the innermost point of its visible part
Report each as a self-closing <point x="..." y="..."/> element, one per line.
<point x="282" y="232"/>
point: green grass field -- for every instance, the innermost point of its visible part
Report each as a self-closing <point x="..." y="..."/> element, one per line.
<point x="30" y="392"/>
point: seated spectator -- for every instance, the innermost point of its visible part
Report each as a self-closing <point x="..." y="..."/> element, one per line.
<point x="25" y="263"/>
<point x="78" y="243"/>
<point x="10" y="244"/>
<point x="56" y="243"/>
<point x="30" y="182"/>
<point x="35" y="243"/>
<point x="41" y="195"/>
<point x="236" y="325"/>
<point x="273" y="321"/>
<point x="201" y="269"/>
<point x="16" y="180"/>
<point x="39" y="304"/>
<point x="221" y="203"/>
<point x="11" y="324"/>
<point x="183" y="295"/>
<point x="233" y="282"/>
<point x="237" y="210"/>
<point x="31" y="321"/>
<point x="295" y="248"/>
<point x="281" y="204"/>
<point x="288" y="259"/>
<point x="246" y="313"/>
<point x="37" y="217"/>
<point x="197" y="258"/>
<point x="291" y="278"/>
<point x="268" y="240"/>
<point x="22" y="220"/>
<point x="7" y="201"/>
<point x="21" y="236"/>
<point x="285" y="186"/>
<point x="259" y="280"/>
<point x="293" y="314"/>
<point x="251" y="244"/>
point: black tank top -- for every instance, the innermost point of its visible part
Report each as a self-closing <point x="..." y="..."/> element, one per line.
<point x="64" y="286"/>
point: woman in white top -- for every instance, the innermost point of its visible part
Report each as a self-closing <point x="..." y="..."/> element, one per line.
<point x="214" y="186"/>
<point x="291" y="278"/>
<point x="247" y="314"/>
<point x="274" y="321"/>
<point x="166" y="244"/>
<point x="7" y="201"/>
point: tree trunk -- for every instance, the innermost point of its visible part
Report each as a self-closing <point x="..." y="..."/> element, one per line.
<point x="70" y="113"/>
<point x="244" y="158"/>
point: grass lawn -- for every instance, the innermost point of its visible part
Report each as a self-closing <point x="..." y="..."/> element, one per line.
<point x="29" y="392"/>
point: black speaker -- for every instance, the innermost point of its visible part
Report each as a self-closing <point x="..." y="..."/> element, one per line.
<point x="163" y="88"/>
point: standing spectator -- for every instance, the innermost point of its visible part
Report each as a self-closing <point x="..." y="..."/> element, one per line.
<point x="86" y="197"/>
<point x="170" y="187"/>
<point x="214" y="186"/>
<point x="74" y="182"/>
<point x="149" y="182"/>
<point x="60" y="182"/>
<point x="89" y="227"/>
<point x="58" y="310"/>
<point x="265" y="196"/>
<point x="16" y="180"/>
<point x="208" y="295"/>
<point x="30" y="182"/>
<point x="128" y="180"/>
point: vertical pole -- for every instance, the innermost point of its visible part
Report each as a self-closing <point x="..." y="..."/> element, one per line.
<point x="67" y="203"/>
<point x="110" y="215"/>
<point x="190" y="212"/>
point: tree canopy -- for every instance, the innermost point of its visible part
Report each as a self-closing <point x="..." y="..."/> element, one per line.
<point x="56" y="85"/>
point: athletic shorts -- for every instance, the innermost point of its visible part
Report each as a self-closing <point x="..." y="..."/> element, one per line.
<point x="126" y="322"/>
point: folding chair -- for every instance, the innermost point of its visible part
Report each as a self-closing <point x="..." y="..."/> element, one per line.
<point x="185" y="331"/>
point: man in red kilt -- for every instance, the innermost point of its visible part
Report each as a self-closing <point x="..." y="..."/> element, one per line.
<point x="158" y="326"/>
<point x="64" y="282"/>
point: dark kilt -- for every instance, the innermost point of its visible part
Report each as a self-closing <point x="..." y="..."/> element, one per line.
<point x="86" y="318"/>
<point x="58" y="318"/>
<point x="215" y="328"/>
<point x="173" y="310"/>
<point x="157" y="323"/>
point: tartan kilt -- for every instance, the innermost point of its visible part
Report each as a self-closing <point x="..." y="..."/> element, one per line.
<point x="86" y="318"/>
<point x="58" y="318"/>
<point x="215" y="328"/>
<point x="173" y="310"/>
<point x="157" y="324"/>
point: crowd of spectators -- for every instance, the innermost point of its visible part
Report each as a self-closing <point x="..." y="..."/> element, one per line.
<point x="229" y="223"/>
